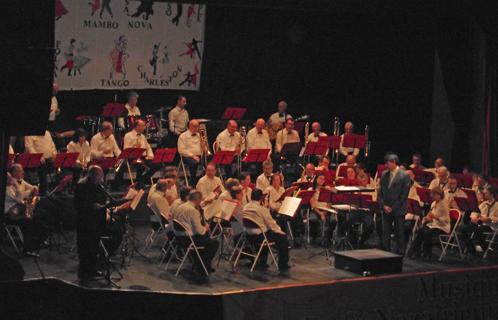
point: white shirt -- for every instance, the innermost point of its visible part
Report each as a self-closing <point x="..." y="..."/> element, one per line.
<point x="347" y="151"/>
<point x="489" y="209"/>
<point x="228" y="142"/>
<point x="246" y="196"/>
<point x="190" y="217"/>
<point x="284" y="136"/>
<point x="130" y="112"/>
<point x="135" y="140"/>
<point x="273" y="196"/>
<point x="278" y="118"/>
<point x="262" y="182"/>
<point x="41" y="144"/>
<point x="174" y="206"/>
<point x="257" y="140"/>
<point x="207" y="185"/>
<point x="437" y="183"/>
<point x="261" y="216"/>
<point x="178" y="119"/>
<point x="159" y="204"/>
<point x="54" y="109"/>
<point x="17" y="193"/>
<point x="189" y="144"/>
<point x="99" y="144"/>
<point x="314" y="138"/>
<point x="82" y="149"/>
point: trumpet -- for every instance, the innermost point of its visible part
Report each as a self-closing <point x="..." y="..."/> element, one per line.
<point x="242" y="147"/>
<point x="204" y="143"/>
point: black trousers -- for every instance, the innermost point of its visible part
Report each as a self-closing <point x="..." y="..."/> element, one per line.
<point x="475" y="231"/>
<point x="423" y="240"/>
<point x="281" y="244"/>
<point x="323" y="230"/>
<point x="191" y="165"/>
<point x="393" y="222"/>
<point x="88" y="248"/>
<point x="366" y="219"/>
<point x="207" y="254"/>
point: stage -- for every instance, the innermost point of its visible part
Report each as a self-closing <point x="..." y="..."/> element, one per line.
<point x="312" y="289"/>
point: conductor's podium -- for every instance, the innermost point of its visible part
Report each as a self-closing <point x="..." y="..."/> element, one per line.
<point x="368" y="261"/>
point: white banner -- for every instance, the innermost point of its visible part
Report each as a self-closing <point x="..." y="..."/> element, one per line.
<point x="125" y="44"/>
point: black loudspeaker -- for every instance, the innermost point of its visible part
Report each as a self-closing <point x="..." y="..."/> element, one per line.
<point x="368" y="261"/>
<point x="27" y="57"/>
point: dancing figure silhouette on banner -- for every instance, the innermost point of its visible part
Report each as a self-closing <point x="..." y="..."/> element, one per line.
<point x="118" y="57"/>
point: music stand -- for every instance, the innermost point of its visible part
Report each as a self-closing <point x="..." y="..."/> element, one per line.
<point x="113" y="110"/>
<point x="131" y="154"/>
<point x="104" y="163"/>
<point x="223" y="158"/>
<point x="65" y="160"/>
<point x="256" y="155"/>
<point x="463" y="204"/>
<point x="29" y="160"/>
<point x="472" y="199"/>
<point x="290" y="149"/>
<point x="425" y="195"/>
<point x="306" y="196"/>
<point x="233" y="113"/>
<point x="302" y="185"/>
<point x="355" y="141"/>
<point x="414" y="207"/>
<point x="165" y="155"/>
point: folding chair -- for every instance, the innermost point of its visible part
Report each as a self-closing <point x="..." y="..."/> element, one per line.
<point x="491" y="240"/>
<point x="181" y="230"/>
<point x="181" y="165"/>
<point x="156" y="227"/>
<point x="12" y="231"/>
<point x="252" y="231"/>
<point x="451" y="240"/>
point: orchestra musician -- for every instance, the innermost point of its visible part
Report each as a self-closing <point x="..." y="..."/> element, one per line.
<point x="328" y="221"/>
<point x="479" y="185"/>
<point x="392" y="197"/>
<point x="190" y="149"/>
<point x="45" y="145"/>
<point x="308" y="173"/>
<point x="158" y="200"/>
<point x="345" y="151"/>
<point x="436" y="222"/>
<point x="441" y="179"/>
<point x="91" y="202"/>
<point x="136" y="139"/>
<point x="285" y="136"/>
<point x="316" y="132"/>
<point x="189" y="215"/>
<point x="274" y="192"/>
<point x="182" y="198"/>
<point x="246" y="184"/>
<point x="210" y="187"/>
<point x="229" y="140"/>
<point x="453" y="191"/>
<point x="19" y="195"/>
<point x="277" y="120"/>
<point x="323" y="165"/>
<point x="79" y="145"/>
<point x="439" y="162"/>
<point x="103" y="144"/>
<point x="417" y="161"/>
<point x="131" y="112"/>
<point x="263" y="180"/>
<point x="178" y="119"/>
<point x="261" y="215"/>
<point x="258" y="138"/>
<point x="342" y="167"/>
<point x="482" y="222"/>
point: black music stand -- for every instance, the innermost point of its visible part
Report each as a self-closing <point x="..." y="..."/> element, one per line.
<point x="290" y="150"/>
<point x="131" y="154"/>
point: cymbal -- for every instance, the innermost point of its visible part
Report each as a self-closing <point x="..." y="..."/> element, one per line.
<point x="163" y="109"/>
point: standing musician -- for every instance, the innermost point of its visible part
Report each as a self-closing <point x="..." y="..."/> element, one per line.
<point x="91" y="202"/>
<point x="441" y="179"/>
<point x="229" y="140"/>
<point x="261" y="215"/>
<point x="45" y="145"/>
<point x="284" y="136"/>
<point x="393" y="194"/>
<point x="189" y="215"/>
<point x="277" y="120"/>
<point x="103" y="144"/>
<point x="210" y="187"/>
<point x="329" y="222"/>
<point x="345" y="151"/>
<point x="131" y="112"/>
<point x="80" y="145"/>
<point x="178" y="119"/>
<point x="136" y="139"/>
<point x="19" y="208"/>
<point x="263" y="180"/>
<point x="316" y="132"/>
<point x="190" y="148"/>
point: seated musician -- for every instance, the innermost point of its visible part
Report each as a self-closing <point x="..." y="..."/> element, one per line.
<point x="283" y="137"/>
<point x="189" y="215"/>
<point x="482" y="222"/>
<point x="439" y="162"/>
<point x="362" y="175"/>
<point x="19" y="196"/>
<point x="189" y="147"/>
<point x="350" y="179"/>
<point x="436" y="222"/>
<point x="326" y="229"/>
<point x="210" y="187"/>
<point x="479" y="185"/>
<point x="441" y="179"/>
<point x="80" y="145"/>
<point x="323" y="165"/>
<point x="417" y="161"/>
<point x="158" y="201"/>
<point x="182" y="198"/>
<point x="453" y="191"/>
<point x="45" y="145"/>
<point x="258" y="138"/>
<point x="274" y="192"/>
<point x="103" y="144"/>
<point x="316" y="132"/>
<point x="341" y="168"/>
<point x="246" y="184"/>
<point x="131" y="111"/>
<point x="466" y="170"/>
<point x="229" y="184"/>
<point x="263" y="180"/>
<point x="261" y="215"/>
<point x="136" y="139"/>
<point x="308" y="173"/>
<point x="345" y="151"/>
<point x="229" y="140"/>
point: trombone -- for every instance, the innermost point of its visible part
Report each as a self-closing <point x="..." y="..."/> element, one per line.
<point x="205" y="151"/>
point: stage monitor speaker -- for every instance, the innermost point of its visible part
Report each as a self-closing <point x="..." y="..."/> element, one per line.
<point x="28" y="66"/>
<point x="368" y="261"/>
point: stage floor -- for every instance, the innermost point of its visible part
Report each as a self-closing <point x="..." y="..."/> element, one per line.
<point x="142" y="274"/>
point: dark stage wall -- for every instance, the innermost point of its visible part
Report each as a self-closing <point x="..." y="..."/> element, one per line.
<point x="375" y="71"/>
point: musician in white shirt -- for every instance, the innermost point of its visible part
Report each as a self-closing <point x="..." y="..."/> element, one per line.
<point x="131" y="110"/>
<point x="189" y="147"/>
<point x="308" y="173"/>
<point x="210" y="186"/>
<point x="178" y="119"/>
<point x="274" y="192"/>
<point x="79" y="145"/>
<point x="286" y="136"/>
<point x="257" y="137"/>
<point x="417" y="162"/>
<point x="45" y="145"/>
<point x="328" y="220"/>
<point x="316" y="133"/>
<point x="452" y="192"/>
<point x="263" y="180"/>
<point x="245" y="182"/>
<point x="345" y="151"/>
<point x="158" y="202"/>
<point x="278" y="119"/>
<point x="441" y="180"/>
<point x="229" y="140"/>
<point x="136" y="139"/>
<point x="103" y="144"/>
<point x="342" y="167"/>
<point x="54" y="108"/>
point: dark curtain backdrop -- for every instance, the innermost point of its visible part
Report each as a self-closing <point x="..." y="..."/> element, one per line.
<point x="372" y="70"/>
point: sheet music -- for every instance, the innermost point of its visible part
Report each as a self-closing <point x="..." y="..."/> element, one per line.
<point x="136" y="200"/>
<point x="347" y="188"/>
<point x="131" y="194"/>
<point x="289" y="206"/>
<point x="227" y="209"/>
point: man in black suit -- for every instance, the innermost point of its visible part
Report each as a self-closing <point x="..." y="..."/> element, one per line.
<point x="393" y="194"/>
